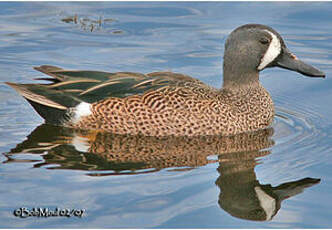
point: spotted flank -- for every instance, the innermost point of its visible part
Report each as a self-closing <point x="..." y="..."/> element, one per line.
<point x="167" y="103"/>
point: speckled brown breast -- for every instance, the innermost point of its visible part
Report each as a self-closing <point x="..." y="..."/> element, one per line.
<point x="187" y="108"/>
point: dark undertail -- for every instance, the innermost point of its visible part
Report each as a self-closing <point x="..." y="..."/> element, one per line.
<point x="50" y="115"/>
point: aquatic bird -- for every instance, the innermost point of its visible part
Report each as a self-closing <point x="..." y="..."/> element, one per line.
<point x="166" y="103"/>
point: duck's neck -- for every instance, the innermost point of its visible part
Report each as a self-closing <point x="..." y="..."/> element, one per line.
<point x="239" y="71"/>
<point x="234" y="79"/>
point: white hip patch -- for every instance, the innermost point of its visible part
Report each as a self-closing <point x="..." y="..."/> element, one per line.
<point x="81" y="110"/>
<point x="272" y="52"/>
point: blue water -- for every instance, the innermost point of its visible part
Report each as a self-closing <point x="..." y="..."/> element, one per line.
<point x="144" y="185"/>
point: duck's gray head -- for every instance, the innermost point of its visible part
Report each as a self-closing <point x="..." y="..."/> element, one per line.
<point x="251" y="48"/>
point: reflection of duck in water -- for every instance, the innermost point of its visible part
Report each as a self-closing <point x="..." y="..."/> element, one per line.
<point x="241" y="194"/>
<point x="88" y="150"/>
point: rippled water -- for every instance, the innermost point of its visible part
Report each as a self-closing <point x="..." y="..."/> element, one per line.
<point x="166" y="183"/>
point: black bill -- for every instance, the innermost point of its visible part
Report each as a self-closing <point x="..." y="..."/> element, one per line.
<point x="289" y="61"/>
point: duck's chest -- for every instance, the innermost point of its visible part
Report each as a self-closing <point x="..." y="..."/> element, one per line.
<point x="252" y="109"/>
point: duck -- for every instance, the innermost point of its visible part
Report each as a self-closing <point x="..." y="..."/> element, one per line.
<point x="166" y="103"/>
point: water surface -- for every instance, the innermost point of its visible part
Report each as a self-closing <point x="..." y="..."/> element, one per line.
<point x="129" y="182"/>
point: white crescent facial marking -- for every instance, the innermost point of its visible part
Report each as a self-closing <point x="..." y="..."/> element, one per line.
<point x="272" y="52"/>
<point x="82" y="109"/>
<point x="267" y="203"/>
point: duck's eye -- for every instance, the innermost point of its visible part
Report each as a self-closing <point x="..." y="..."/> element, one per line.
<point x="264" y="41"/>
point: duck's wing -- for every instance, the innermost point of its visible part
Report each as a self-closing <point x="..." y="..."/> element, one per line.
<point x="92" y="86"/>
<point x="67" y="88"/>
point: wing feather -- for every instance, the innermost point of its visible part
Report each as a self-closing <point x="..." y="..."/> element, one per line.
<point x="92" y="86"/>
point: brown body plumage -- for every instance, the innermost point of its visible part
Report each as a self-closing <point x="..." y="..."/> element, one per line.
<point x="187" y="108"/>
<point x="165" y="103"/>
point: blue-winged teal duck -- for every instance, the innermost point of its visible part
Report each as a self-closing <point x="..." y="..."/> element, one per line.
<point x="165" y="103"/>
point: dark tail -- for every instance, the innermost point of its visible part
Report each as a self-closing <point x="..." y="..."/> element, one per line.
<point x="50" y="104"/>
